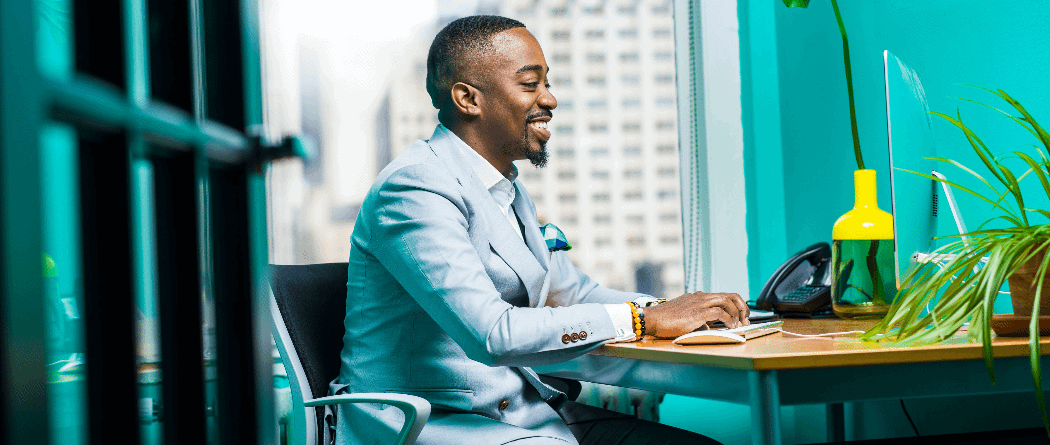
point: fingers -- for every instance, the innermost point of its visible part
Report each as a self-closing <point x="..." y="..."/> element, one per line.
<point x="732" y="304"/>
<point x="717" y="313"/>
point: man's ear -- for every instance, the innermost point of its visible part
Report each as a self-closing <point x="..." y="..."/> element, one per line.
<point x="466" y="99"/>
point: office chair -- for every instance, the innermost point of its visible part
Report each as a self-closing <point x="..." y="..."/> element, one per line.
<point x="308" y="304"/>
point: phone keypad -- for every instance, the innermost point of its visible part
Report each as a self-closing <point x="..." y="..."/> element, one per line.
<point x="801" y="294"/>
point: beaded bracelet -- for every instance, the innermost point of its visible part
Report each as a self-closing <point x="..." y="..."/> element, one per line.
<point x="637" y="320"/>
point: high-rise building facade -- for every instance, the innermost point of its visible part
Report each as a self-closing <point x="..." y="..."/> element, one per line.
<point x="612" y="183"/>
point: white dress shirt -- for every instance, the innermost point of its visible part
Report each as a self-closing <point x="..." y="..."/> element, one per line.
<point x="503" y="192"/>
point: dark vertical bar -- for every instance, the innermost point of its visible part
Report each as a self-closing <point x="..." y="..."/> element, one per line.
<point x="109" y="302"/>
<point x="179" y="299"/>
<point x="99" y="41"/>
<point x="232" y="286"/>
<point x="170" y="70"/>
<point x="223" y="55"/>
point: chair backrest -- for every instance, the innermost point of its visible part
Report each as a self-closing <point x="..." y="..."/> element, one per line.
<point x="308" y="305"/>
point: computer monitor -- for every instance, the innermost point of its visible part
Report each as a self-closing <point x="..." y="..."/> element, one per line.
<point x="910" y="134"/>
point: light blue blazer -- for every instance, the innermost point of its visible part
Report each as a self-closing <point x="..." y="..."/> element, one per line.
<point x="445" y="301"/>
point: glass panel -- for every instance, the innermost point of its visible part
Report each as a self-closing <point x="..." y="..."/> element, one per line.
<point x="66" y="376"/>
<point x="367" y="105"/>
<point x="224" y="92"/>
<point x="100" y="39"/>
<point x="170" y="71"/>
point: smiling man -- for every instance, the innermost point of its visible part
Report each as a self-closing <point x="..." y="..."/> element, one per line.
<point x="453" y="291"/>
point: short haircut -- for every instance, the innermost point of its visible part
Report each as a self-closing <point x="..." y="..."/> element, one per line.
<point x="456" y="46"/>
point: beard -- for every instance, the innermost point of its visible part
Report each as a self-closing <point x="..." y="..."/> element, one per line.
<point x="537" y="158"/>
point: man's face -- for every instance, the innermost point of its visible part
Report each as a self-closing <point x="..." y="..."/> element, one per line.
<point x="516" y="101"/>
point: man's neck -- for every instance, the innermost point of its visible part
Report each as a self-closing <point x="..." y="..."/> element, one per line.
<point x="475" y="139"/>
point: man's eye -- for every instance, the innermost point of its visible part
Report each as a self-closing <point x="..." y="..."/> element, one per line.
<point x="532" y="84"/>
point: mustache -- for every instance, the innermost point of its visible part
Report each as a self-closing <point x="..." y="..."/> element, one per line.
<point x="540" y="113"/>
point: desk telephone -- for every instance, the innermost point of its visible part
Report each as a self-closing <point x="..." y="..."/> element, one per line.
<point x="800" y="286"/>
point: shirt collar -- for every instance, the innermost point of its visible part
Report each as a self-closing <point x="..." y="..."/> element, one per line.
<point x="490" y="177"/>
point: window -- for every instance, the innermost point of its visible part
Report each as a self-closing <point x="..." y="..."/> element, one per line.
<point x="627" y="10"/>
<point x="596" y="57"/>
<point x="564" y="130"/>
<point x="629" y="57"/>
<point x="599" y="128"/>
<point x="596" y="81"/>
<point x="597" y="104"/>
<point x="634" y="195"/>
<point x="632" y="150"/>
<point x="571" y="220"/>
<point x="669" y="240"/>
<point x="666" y="194"/>
<point x="635" y="218"/>
<point x="632" y="127"/>
<point x="665" y="125"/>
<point x="603" y="241"/>
<point x="634" y="173"/>
<point x="561" y="58"/>
<point x="559" y="11"/>
<point x="600" y="197"/>
<point x="664" y="79"/>
<point x="667" y="171"/>
<point x="666" y="148"/>
<point x="663" y="9"/>
<point x="600" y="175"/>
<point x="566" y="175"/>
<point x="561" y="36"/>
<point x="632" y="103"/>
<point x="630" y="79"/>
<point x="602" y="219"/>
<point x="635" y="241"/>
<point x="566" y="105"/>
<point x="664" y="56"/>
<point x="595" y="34"/>
<point x="566" y="152"/>
<point x="662" y="33"/>
<point x="594" y="10"/>
<point x="668" y="217"/>
<point x="599" y="152"/>
<point x="629" y="33"/>
<point x="665" y="102"/>
<point x="567" y="197"/>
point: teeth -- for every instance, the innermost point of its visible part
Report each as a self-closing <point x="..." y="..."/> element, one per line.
<point x="541" y="124"/>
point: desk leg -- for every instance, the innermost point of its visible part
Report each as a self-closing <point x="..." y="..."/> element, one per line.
<point x="836" y="422"/>
<point x="765" y="408"/>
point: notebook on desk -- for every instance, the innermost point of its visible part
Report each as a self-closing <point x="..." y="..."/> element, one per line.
<point x="729" y="336"/>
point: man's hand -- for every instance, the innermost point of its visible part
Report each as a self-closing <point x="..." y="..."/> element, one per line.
<point x="689" y="312"/>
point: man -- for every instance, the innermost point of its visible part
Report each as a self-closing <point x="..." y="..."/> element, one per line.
<point x="453" y="293"/>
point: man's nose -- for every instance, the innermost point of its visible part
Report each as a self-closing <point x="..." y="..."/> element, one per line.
<point x="547" y="100"/>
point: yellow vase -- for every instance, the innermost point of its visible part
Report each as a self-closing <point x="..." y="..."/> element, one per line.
<point x="863" y="283"/>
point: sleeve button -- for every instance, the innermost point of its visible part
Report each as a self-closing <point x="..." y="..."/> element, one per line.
<point x="504" y="404"/>
<point x="583" y="335"/>
<point x="575" y="337"/>
<point x="566" y="338"/>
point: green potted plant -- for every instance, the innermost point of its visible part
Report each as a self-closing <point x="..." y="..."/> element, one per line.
<point x="934" y="302"/>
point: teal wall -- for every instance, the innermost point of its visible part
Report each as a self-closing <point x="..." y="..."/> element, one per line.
<point x="950" y="43"/>
<point x="798" y="145"/>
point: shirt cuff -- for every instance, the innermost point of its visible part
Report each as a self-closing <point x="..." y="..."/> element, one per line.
<point x="623" y="322"/>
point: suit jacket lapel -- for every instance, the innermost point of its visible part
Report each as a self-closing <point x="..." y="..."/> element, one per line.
<point x="501" y="236"/>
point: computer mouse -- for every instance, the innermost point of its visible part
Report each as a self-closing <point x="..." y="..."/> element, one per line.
<point x="709" y="337"/>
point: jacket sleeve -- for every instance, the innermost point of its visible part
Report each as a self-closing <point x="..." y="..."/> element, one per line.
<point x="420" y="234"/>
<point x="570" y="286"/>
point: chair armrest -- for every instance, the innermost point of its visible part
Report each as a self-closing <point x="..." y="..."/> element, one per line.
<point x="416" y="409"/>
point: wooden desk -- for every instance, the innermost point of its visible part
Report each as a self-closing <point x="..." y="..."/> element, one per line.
<point x="776" y="370"/>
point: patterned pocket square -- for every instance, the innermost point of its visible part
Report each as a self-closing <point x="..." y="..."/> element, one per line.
<point x="555" y="238"/>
